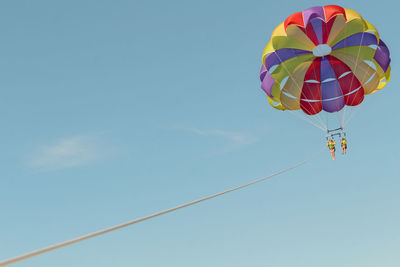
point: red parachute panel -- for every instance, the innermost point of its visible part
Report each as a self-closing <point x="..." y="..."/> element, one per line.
<point x="355" y="98"/>
<point x="326" y="30"/>
<point x="332" y="10"/>
<point x="312" y="90"/>
<point x="348" y="83"/>
<point x="311" y="108"/>
<point x="296" y="18"/>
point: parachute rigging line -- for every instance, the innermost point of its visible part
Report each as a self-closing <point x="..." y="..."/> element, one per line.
<point x="308" y="119"/>
<point x="116" y="227"/>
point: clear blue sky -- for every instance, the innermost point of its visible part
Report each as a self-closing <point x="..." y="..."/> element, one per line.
<point x="112" y="110"/>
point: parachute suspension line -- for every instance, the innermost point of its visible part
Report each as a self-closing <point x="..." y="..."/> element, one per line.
<point x="315" y="119"/>
<point x="326" y="117"/>
<point x="319" y="117"/>
<point x="310" y="119"/>
<point x="327" y="122"/>
<point x="319" y="114"/>
<point x="337" y="103"/>
<point x="351" y="110"/>
<point x="305" y="118"/>
<point x="344" y="116"/>
<point x="340" y="116"/>
<point x="354" y="109"/>
<point x="345" y="47"/>
<point x="113" y="228"/>
<point x="294" y="80"/>
<point x="322" y="120"/>
<point x="352" y="114"/>
<point x="337" y="112"/>
<point x="341" y="113"/>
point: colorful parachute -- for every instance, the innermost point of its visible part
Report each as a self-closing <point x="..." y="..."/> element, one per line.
<point x="323" y="58"/>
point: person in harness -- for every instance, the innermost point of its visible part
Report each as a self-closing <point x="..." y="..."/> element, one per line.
<point x="343" y="144"/>
<point x="331" y="145"/>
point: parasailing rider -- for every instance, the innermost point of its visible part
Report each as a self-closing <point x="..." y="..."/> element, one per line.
<point x="343" y="143"/>
<point x="331" y="145"/>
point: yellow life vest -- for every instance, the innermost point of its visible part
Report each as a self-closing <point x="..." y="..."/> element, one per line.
<point x="331" y="144"/>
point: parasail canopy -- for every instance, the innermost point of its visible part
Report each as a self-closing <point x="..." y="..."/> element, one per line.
<point x="323" y="59"/>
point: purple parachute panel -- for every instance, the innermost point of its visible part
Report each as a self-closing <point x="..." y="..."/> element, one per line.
<point x="382" y="55"/>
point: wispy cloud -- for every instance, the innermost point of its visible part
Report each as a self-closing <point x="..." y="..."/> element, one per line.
<point x="67" y="152"/>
